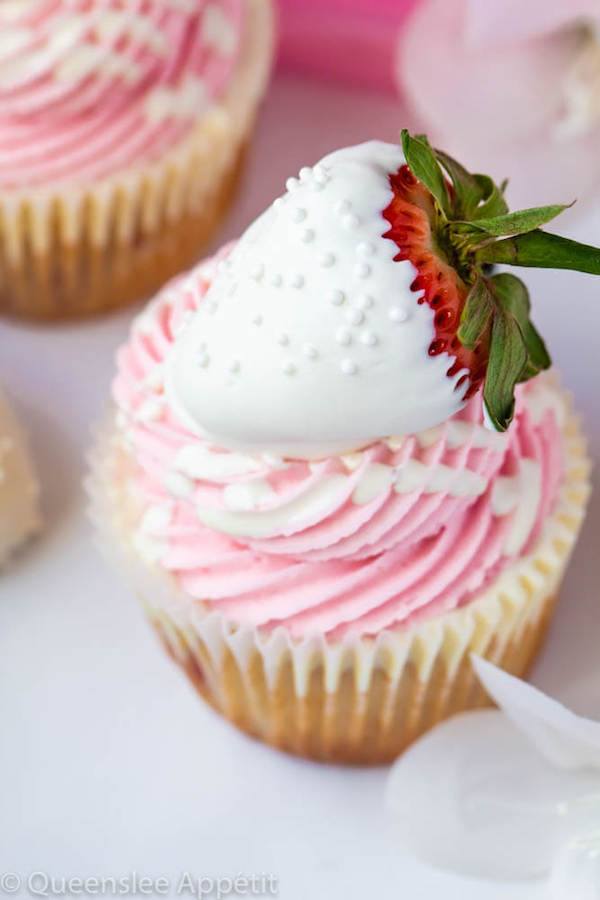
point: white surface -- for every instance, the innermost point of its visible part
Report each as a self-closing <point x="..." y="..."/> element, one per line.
<point x="108" y="761"/>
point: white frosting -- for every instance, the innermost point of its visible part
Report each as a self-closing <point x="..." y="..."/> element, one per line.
<point x="218" y="30"/>
<point x="457" y="434"/>
<point x="197" y="461"/>
<point x="247" y="495"/>
<point x="243" y="517"/>
<point x="376" y="478"/>
<point x="521" y="493"/>
<point x="157" y="518"/>
<point x="19" y="513"/>
<point x="311" y="505"/>
<point x="310" y="341"/>
<point x="415" y="475"/>
<point x="183" y="101"/>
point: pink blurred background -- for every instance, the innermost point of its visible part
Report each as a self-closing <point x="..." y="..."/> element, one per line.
<point x="509" y="87"/>
<point x="348" y="40"/>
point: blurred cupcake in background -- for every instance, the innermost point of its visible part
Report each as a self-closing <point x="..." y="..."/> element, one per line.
<point x="509" y="87"/>
<point x="19" y="488"/>
<point x="122" y="131"/>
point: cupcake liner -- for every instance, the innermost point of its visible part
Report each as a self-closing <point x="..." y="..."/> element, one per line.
<point x="359" y="699"/>
<point x="78" y="249"/>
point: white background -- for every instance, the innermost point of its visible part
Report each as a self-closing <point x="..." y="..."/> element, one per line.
<point x="108" y="761"/>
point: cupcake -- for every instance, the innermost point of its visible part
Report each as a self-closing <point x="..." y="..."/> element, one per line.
<point x="19" y="490"/>
<point x="122" y="134"/>
<point x="337" y="465"/>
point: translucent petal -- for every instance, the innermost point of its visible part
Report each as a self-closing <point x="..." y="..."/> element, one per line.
<point x="576" y="872"/>
<point x="475" y="796"/>
<point x="560" y="735"/>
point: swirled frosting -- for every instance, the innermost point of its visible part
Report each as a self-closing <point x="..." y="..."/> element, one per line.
<point x="404" y="528"/>
<point x="93" y="87"/>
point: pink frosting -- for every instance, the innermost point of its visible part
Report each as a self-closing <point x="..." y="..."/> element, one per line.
<point x="344" y="566"/>
<point x="93" y="87"/>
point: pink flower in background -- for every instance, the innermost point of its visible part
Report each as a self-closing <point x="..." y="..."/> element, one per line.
<point x="348" y="40"/>
<point x="511" y="87"/>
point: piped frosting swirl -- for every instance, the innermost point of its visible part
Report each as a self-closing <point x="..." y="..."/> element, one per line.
<point x="403" y="528"/>
<point x="93" y="87"/>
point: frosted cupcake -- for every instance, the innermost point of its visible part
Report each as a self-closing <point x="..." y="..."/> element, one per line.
<point x="122" y="132"/>
<point x="19" y="489"/>
<point x="336" y="465"/>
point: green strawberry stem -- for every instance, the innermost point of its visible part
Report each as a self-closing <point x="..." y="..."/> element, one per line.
<point x="473" y="223"/>
<point x="541" y="250"/>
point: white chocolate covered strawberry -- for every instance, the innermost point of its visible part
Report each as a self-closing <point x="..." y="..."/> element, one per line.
<point x="358" y="306"/>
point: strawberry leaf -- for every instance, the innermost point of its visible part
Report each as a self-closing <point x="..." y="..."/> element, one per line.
<point x="467" y="189"/>
<point x="476" y="315"/>
<point x="506" y="364"/>
<point x="514" y="295"/>
<point x="494" y="203"/>
<point x="424" y="166"/>
<point x="542" y="250"/>
<point x="518" y="222"/>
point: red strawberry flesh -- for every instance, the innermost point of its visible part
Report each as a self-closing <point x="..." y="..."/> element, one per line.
<point x="411" y="215"/>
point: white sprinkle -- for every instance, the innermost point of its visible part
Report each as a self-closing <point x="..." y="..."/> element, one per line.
<point x="203" y="360"/>
<point x="342" y="206"/>
<point x="276" y="280"/>
<point x="326" y="260"/>
<point x="307" y="235"/>
<point x="298" y="214"/>
<point x="305" y="173"/>
<point x="277" y="202"/>
<point x="368" y="338"/>
<point x="291" y="184"/>
<point x="354" y="316"/>
<point x="351" y="221"/>
<point x="362" y="270"/>
<point x="336" y="297"/>
<point x="397" y="314"/>
<point x="349" y="367"/>
<point x="257" y="272"/>
<point x="318" y="184"/>
<point x="234" y="365"/>
<point x="321" y="177"/>
<point x="288" y="368"/>
<point x="283" y="339"/>
<point x="310" y="350"/>
<point x="257" y="319"/>
<point x="320" y="172"/>
<point x="343" y="336"/>
<point x="297" y="280"/>
<point x="364" y="301"/>
<point x="365" y="248"/>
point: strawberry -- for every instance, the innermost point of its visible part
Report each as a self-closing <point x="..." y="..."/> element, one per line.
<point x="452" y="224"/>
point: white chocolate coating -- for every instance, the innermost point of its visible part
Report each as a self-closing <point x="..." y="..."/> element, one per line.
<point x="310" y="341"/>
